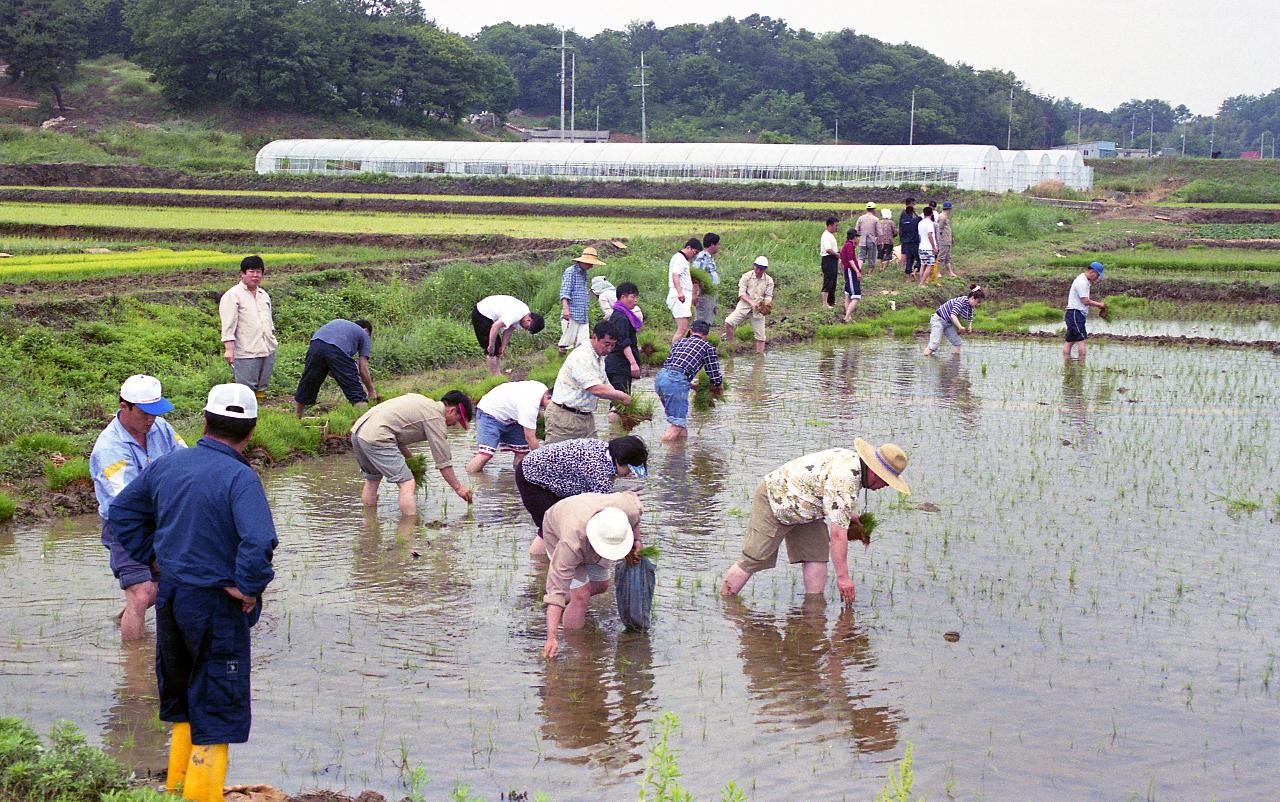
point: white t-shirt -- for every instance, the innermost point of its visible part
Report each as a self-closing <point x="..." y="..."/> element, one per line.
<point x="680" y="267"/>
<point x="506" y="308"/>
<point x="1079" y="291"/>
<point x="927" y="227"/>
<point x="515" y="401"/>
<point x="828" y="244"/>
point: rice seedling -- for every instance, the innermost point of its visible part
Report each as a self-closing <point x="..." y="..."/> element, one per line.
<point x="7" y="507"/>
<point x="639" y="410"/>
<point x="69" y="472"/>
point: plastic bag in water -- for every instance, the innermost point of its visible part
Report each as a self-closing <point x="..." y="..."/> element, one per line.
<point x="633" y="586"/>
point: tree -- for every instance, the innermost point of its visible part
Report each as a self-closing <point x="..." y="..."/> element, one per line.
<point x="42" y="41"/>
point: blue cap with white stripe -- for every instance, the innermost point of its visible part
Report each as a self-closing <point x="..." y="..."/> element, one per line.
<point x="1097" y="268"/>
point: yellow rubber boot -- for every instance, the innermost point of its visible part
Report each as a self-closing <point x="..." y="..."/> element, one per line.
<point x="179" y="756"/>
<point x="206" y="773"/>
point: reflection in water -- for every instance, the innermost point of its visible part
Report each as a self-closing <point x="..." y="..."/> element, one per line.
<point x="1074" y="400"/>
<point x="750" y="381"/>
<point x="955" y="389"/>
<point x="133" y="733"/>
<point x="594" y="702"/>
<point x="803" y="676"/>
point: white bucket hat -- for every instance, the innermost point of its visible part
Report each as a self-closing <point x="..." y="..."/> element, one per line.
<point x="609" y="532"/>
<point x="601" y="284"/>
<point x="232" y="401"/>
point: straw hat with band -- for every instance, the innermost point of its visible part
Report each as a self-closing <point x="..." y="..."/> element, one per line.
<point x="609" y="532"/>
<point x="589" y="257"/>
<point x="888" y="462"/>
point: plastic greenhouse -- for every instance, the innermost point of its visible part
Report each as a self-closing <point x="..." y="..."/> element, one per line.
<point x="975" y="167"/>
<point x="1018" y="170"/>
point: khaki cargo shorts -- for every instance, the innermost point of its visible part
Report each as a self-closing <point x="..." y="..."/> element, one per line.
<point x="807" y="542"/>
<point x="739" y="316"/>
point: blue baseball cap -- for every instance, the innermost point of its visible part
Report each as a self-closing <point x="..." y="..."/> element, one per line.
<point x="1097" y="268"/>
<point x="639" y="471"/>
<point x="946" y="204"/>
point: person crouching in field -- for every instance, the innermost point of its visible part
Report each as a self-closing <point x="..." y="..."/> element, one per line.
<point x="755" y="299"/>
<point x="948" y="320"/>
<point x="584" y="536"/>
<point x="810" y="504"/>
<point x="334" y="350"/>
<point x="494" y="318"/>
<point x="673" y="382"/>
<point x="507" y="420"/>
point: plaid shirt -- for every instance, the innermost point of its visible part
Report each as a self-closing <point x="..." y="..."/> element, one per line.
<point x="573" y="285"/>
<point x="691" y="355"/>
<point x="705" y="261"/>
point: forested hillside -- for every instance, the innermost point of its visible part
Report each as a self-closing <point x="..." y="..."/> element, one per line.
<point x="754" y="78"/>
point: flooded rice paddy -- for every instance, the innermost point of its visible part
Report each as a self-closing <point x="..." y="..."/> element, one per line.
<point x="1118" y="617"/>
<point x="1263" y="331"/>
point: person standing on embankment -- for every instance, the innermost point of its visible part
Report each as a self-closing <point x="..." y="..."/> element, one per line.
<point x="623" y="362"/>
<point x="135" y="438"/>
<point x="866" y="237"/>
<point x="885" y="231"/>
<point x="755" y="298"/>
<point x="680" y="287"/>
<point x="909" y="238"/>
<point x="334" y="350"/>
<point x="494" y="318"/>
<point x="811" y="503"/>
<point x="945" y="238"/>
<point x="381" y="437"/>
<point x="1078" y="303"/>
<point x="852" y="272"/>
<point x="200" y="516"/>
<point x="829" y="252"/>
<point x="248" y="330"/>
<point x="575" y="299"/>
<point x="705" y="307"/>
<point x="584" y="536"/>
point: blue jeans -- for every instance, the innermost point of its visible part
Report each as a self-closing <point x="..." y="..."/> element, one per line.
<point x="493" y="435"/>
<point x="673" y="389"/>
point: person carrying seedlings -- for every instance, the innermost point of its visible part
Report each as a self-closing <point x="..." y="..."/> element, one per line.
<point x="866" y="237"/>
<point x="945" y="238"/>
<point x="885" y="231"/>
<point x="680" y="287"/>
<point x="623" y="362"/>
<point x="340" y="348"/>
<point x="579" y="384"/>
<point x="200" y="517"/>
<point x="948" y="319"/>
<point x="909" y="237"/>
<point x="507" y="420"/>
<point x="494" y="318"/>
<point x="588" y="465"/>
<point x="674" y="380"/>
<point x="927" y="250"/>
<point x="584" y="536"/>
<point x="248" y="331"/>
<point x="705" y="307"/>
<point x="810" y="504"/>
<point x="829" y="253"/>
<point x="135" y="438"/>
<point x="1078" y="303"/>
<point x="380" y="440"/>
<point x="575" y="299"/>
<point x="852" y="274"/>
<point x="606" y="294"/>
<point x="755" y="300"/>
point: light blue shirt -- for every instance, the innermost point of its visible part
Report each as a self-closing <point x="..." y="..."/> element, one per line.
<point x="117" y="459"/>
<point x="707" y="262"/>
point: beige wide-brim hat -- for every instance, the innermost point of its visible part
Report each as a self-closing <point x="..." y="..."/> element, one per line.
<point x="609" y="532"/>
<point x="589" y="257"/>
<point x="888" y="462"/>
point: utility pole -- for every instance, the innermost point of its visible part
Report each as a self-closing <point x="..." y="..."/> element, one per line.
<point x="1132" y="117"/>
<point x="1213" y="126"/>
<point x="911" y="137"/>
<point x="562" y="49"/>
<point x="644" y="116"/>
<point x="1079" y="116"/>
<point x="1184" y="140"/>
<point x="597" y="119"/>
<point x="573" y="97"/>
<point x="1151" y="134"/>
<point x="837" y="130"/>
<point x="1008" y="142"/>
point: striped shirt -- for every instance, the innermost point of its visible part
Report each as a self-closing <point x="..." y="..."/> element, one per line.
<point x="573" y="285"/>
<point x="958" y="306"/>
<point x="691" y="355"/>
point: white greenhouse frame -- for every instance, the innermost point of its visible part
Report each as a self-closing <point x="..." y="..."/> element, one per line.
<point x="973" y="167"/>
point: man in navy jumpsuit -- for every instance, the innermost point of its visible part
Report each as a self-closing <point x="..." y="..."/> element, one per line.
<point x="200" y="517"/>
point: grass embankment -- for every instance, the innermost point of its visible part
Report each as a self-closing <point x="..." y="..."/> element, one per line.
<point x="1189" y="180"/>
<point x="168" y="220"/>
<point x="1193" y="258"/>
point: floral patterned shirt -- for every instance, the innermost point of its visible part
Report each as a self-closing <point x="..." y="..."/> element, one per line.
<point x="819" y="486"/>
<point x="571" y="467"/>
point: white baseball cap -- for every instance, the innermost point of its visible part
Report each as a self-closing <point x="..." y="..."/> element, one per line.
<point x="143" y="391"/>
<point x="761" y="261"/>
<point x="871" y="204"/>
<point x="609" y="532"/>
<point x="232" y="401"/>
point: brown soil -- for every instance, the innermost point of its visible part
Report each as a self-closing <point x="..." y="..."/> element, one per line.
<point x="322" y="204"/>
<point x="1243" y="244"/>
<point x="83" y="175"/>
<point x="1030" y="288"/>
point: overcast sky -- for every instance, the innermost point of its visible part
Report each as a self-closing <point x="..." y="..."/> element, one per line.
<point x="1098" y="52"/>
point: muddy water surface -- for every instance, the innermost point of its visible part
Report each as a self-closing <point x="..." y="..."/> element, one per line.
<point x="1118" y="628"/>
